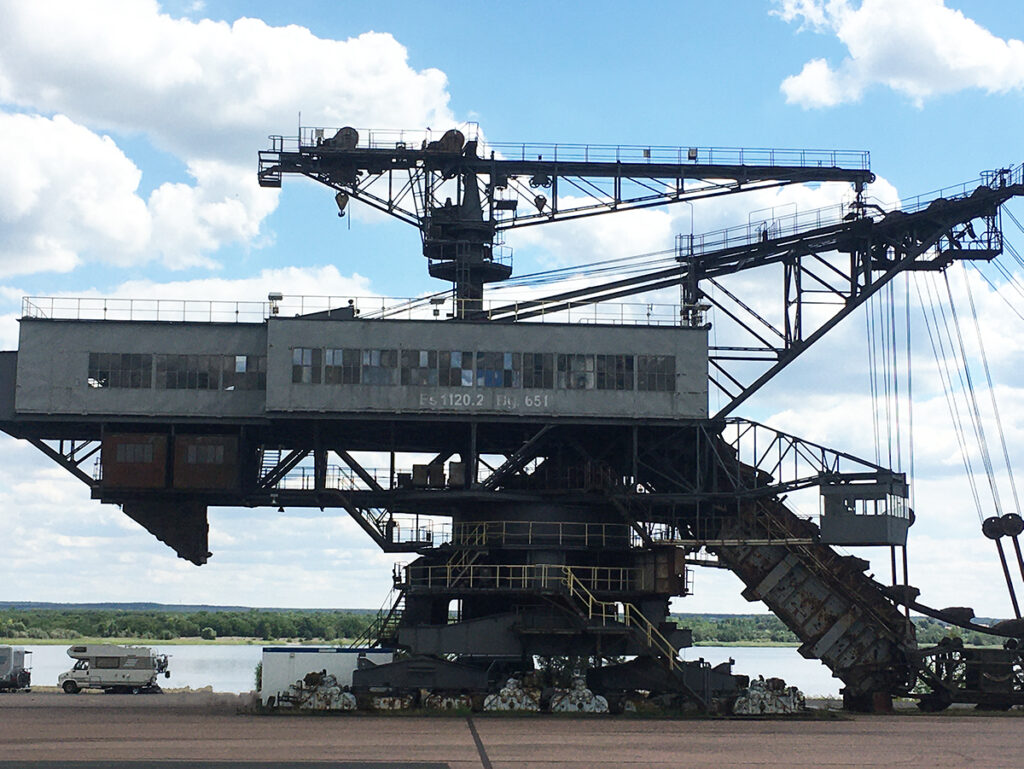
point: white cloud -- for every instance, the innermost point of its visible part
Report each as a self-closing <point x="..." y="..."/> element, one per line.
<point x="206" y="89"/>
<point x="291" y="281"/>
<point x="224" y="206"/>
<point x="67" y="191"/>
<point x="206" y="92"/>
<point x="919" y="48"/>
<point x="72" y="196"/>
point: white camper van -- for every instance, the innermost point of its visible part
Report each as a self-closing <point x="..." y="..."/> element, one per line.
<point x="124" y="669"/>
<point x="15" y="673"/>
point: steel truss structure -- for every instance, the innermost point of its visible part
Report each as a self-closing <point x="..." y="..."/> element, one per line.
<point x="561" y="535"/>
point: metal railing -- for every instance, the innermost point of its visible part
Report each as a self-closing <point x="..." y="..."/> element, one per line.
<point x="393" y="139"/>
<point x="337" y="477"/>
<point x="774" y="226"/>
<point x="770" y="459"/>
<point x="625" y="613"/>
<point x="524" y="577"/>
<point x="168" y="310"/>
<point x="526" y="533"/>
<point x="384" y="623"/>
<point x="425" y="308"/>
<point x="675" y="155"/>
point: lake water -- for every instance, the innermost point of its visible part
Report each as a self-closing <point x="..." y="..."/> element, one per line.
<point x="231" y="668"/>
<point x="227" y="668"/>
<point x="809" y="676"/>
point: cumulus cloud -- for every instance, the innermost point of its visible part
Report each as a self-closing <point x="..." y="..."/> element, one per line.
<point x="67" y="191"/>
<point x="206" y="92"/>
<point x="920" y="48"/>
<point x="72" y="195"/>
<point x="205" y="89"/>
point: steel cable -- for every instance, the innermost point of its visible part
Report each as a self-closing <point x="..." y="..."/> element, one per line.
<point x="979" y="428"/>
<point x="992" y="392"/>
<point x="942" y="365"/>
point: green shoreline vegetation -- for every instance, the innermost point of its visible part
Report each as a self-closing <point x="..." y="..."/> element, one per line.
<point x="22" y="625"/>
<point x="168" y="627"/>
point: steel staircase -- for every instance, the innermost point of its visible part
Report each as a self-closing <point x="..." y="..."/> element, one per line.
<point x="269" y="461"/>
<point x="604" y="612"/>
<point x="459" y="563"/>
<point x="385" y="623"/>
<point x="638" y="625"/>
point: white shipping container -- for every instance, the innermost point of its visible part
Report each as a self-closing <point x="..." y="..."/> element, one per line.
<point x="284" y="665"/>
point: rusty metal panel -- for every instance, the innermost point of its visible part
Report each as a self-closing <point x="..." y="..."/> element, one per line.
<point x="205" y="462"/>
<point x="134" y="460"/>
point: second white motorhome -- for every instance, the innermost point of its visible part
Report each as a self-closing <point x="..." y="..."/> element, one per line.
<point x="124" y="669"/>
<point x="15" y="672"/>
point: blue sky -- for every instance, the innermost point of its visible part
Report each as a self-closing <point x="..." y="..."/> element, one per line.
<point x="133" y="127"/>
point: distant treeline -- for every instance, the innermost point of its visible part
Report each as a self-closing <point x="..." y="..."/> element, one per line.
<point x="168" y="625"/>
<point x="767" y="628"/>
<point x="71" y="623"/>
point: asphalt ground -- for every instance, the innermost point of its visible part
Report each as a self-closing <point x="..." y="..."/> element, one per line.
<point x="174" y="731"/>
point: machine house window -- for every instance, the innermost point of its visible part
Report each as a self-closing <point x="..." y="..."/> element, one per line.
<point x="307" y="365"/>
<point x="244" y="372"/>
<point x="380" y="367"/>
<point x="614" y="372"/>
<point x="656" y="372"/>
<point x="134" y="453"/>
<point x="419" y="368"/>
<point x="342" y="366"/>
<point x="205" y="454"/>
<point x="576" y="372"/>
<point x="188" y="372"/>
<point x="538" y="370"/>
<point x="456" y="368"/>
<point x="126" y="370"/>
<point x="499" y="369"/>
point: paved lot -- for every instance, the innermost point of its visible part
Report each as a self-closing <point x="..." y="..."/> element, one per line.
<point x="204" y="730"/>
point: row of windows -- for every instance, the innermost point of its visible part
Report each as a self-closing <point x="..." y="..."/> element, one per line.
<point x="454" y="368"/>
<point x="134" y="453"/>
<point x="177" y="372"/>
<point x="142" y="453"/>
<point x="418" y="368"/>
<point x="212" y="454"/>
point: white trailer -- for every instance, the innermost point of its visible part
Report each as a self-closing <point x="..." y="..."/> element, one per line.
<point x="285" y="666"/>
<point x="124" y="669"/>
<point x="15" y="672"/>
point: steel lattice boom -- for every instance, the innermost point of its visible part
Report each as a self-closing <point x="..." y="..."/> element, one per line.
<point x="462" y="194"/>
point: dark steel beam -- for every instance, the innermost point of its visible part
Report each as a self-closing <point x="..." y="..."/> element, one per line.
<point x="68" y="464"/>
<point x="517" y="461"/>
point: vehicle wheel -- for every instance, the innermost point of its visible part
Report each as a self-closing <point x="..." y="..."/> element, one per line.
<point x="70" y="687"/>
